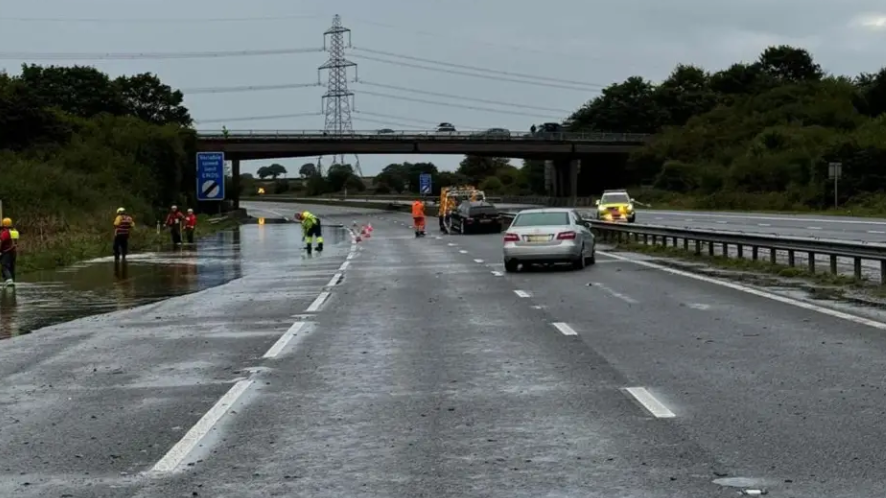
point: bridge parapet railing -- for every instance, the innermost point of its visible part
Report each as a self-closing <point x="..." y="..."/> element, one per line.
<point x="421" y="135"/>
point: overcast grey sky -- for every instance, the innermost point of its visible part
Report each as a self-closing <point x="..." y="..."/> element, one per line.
<point x="579" y="40"/>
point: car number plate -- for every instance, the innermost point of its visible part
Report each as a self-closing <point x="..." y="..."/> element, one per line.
<point x="486" y="221"/>
<point x="537" y="238"/>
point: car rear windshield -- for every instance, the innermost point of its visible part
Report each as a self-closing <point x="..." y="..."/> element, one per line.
<point x="615" y="199"/>
<point x="475" y="210"/>
<point x="540" y="219"/>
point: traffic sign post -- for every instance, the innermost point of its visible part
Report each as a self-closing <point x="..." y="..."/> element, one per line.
<point x="210" y="176"/>
<point x="835" y="172"/>
<point x="424" y="184"/>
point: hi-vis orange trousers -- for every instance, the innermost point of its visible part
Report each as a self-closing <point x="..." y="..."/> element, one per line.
<point x="419" y="223"/>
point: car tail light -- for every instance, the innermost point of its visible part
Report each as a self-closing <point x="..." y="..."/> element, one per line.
<point x="566" y="236"/>
<point x="512" y="237"/>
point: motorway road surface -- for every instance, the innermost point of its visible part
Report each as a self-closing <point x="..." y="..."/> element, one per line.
<point x="403" y="367"/>
<point x="787" y="225"/>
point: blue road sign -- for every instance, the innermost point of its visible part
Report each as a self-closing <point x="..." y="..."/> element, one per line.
<point x="424" y="182"/>
<point x="210" y="176"/>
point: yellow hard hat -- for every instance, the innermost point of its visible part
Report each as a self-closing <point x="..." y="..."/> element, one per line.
<point x="7" y="222"/>
<point x="121" y="210"/>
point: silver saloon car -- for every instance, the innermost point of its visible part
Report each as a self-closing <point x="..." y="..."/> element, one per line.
<point x="545" y="236"/>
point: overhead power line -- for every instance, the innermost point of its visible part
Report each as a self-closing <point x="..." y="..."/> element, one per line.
<point x="55" y="56"/>
<point x="482" y="69"/>
<point x="288" y="86"/>
<point x="248" y="88"/>
<point x="257" y="118"/>
<point x="397" y="126"/>
<point x="461" y="97"/>
<point x="200" y="20"/>
<point x="487" y="76"/>
<point x="419" y="121"/>
<point x="449" y="104"/>
<point x="156" y="20"/>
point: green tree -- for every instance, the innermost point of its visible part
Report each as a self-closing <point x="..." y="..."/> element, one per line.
<point x="338" y="176"/>
<point x="789" y="65"/>
<point x="147" y="98"/>
<point x="307" y="170"/>
<point x="272" y="171"/>
<point x="628" y="107"/>
<point x="476" y="168"/>
<point x="77" y="90"/>
<point x="749" y="136"/>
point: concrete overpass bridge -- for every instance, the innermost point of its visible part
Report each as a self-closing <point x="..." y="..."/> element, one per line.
<point x="562" y="152"/>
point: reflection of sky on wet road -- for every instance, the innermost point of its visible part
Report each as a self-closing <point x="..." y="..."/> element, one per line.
<point x="100" y="286"/>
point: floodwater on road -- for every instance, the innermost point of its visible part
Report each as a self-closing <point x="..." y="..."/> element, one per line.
<point x="100" y="286"/>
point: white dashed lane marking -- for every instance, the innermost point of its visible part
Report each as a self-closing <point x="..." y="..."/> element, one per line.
<point x="615" y="294"/>
<point x="564" y="328"/>
<point x="521" y="293"/>
<point x="478" y="261"/>
<point x="334" y="280"/>
<point x="462" y="251"/>
<point x="173" y="458"/>
<point x="281" y="343"/>
<point x="317" y="302"/>
<point x="654" y="406"/>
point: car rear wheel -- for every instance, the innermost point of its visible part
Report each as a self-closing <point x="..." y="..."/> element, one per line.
<point x="511" y="265"/>
<point x="579" y="264"/>
<point x="593" y="259"/>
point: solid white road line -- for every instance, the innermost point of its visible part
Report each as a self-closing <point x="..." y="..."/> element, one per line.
<point x="317" y="303"/>
<point x="877" y="232"/>
<point x="836" y="219"/>
<point x="334" y="280"/>
<point x="173" y="458"/>
<point x="618" y="295"/>
<point x="764" y="225"/>
<point x="284" y="340"/>
<point x="521" y="293"/>
<point x="344" y="266"/>
<point x="813" y="228"/>
<point x="478" y="261"/>
<point x="564" y="328"/>
<point x="699" y="306"/>
<point x="756" y="292"/>
<point x="645" y="398"/>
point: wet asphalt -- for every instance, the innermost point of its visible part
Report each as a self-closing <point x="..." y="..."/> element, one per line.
<point x="785" y="225"/>
<point x="426" y="371"/>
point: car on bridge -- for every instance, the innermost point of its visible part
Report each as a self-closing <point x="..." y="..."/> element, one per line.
<point x="473" y="216"/>
<point x="445" y="127"/>
<point x="494" y="133"/>
<point x="615" y="205"/>
<point x="548" y="236"/>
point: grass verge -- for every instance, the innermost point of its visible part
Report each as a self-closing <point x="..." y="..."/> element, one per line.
<point x="39" y="253"/>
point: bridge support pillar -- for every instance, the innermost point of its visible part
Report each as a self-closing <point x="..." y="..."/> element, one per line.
<point x="235" y="182"/>
<point x="561" y="177"/>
